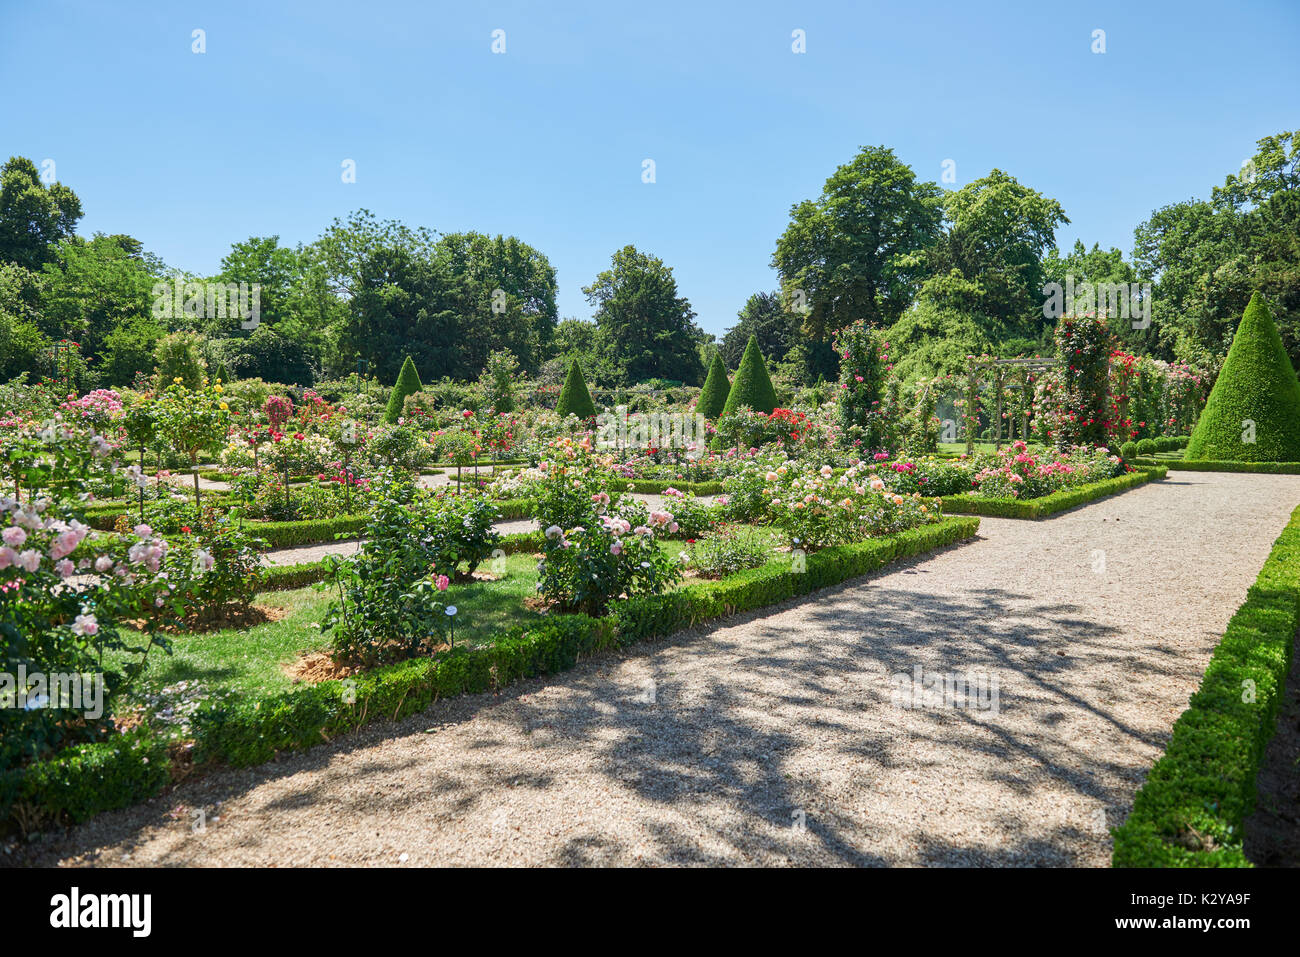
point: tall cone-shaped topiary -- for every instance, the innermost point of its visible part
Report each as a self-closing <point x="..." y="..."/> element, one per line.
<point x="1253" y="413"/>
<point x="752" y="386"/>
<point x="574" y="397"/>
<point x="222" y="374"/>
<point x="408" y="383"/>
<point x="713" y="397"/>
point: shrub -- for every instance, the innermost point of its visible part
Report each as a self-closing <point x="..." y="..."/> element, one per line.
<point x="399" y="448"/>
<point x="752" y="386"/>
<point x="52" y="623"/>
<point x="459" y="531"/>
<point x="866" y="409"/>
<point x="179" y="356"/>
<point x="693" y="518"/>
<point x="570" y="481"/>
<point x="388" y="606"/>
<point x="216" y="568"/>
<point x="408" y="383"/>
<point x="816" y="510"/>
<point x="1253" y="413"/>
<point x="586" y="567"/>
<point x="729" y="549"/>
<point x="574" y="397"/>
<point x="717" y="387"/>
<point x="746" y="428"/>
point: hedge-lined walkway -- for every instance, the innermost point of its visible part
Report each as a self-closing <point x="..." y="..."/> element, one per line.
<point x="713" y="747"/>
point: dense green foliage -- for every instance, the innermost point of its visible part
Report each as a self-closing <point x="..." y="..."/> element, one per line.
<point x="1253" y="413"/>
<point x="752" y="387"/>
<point x="713" y="397"/>
<point x="649" y="328"/>
<point x="408" y="383"/>
<point x="574" y="397"/>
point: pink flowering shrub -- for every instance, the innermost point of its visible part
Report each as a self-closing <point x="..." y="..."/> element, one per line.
<point x="97" y="409"/>
<point x="1015" y="472"/>
<point x="62" y="601"/>
<point x="815" y="508"/>
<point x="867" y="404"/>
<point x="585" y="567"/>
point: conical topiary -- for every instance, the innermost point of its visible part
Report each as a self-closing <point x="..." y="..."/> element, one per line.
<point x="1253" y="413"/>
<point x="408" y="383"/>
<point x="713" y="397"/>
<point x="752" y="386"/>
<point x="222" y="374"/>
<point x="574" y="397"/>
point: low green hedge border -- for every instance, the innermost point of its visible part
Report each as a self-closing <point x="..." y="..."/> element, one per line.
<point x="1209" y="465"/>
<point x="1190" y="810"/>
<point x="1036" y="508"/>
<point x="85" y="780"/>
<point x="1166" y="443"/>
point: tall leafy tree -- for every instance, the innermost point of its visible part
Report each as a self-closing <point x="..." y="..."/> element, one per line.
<point x="997" y="232"/>
<point x="765" y="317"/>
<point x="1208" y="257"/>
<point x="33" y="216"/>
<point x="276" y="269"/>
<point x="23" y="346"/>
<point x="94" y="286"/>
<point x="648" y="326"/>
<point x="510" y="293"/>
<point x="852" y="253"/>
<point x="1099" y="266"/>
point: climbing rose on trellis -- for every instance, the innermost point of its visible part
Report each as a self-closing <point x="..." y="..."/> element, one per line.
<point x="1077" y="397"/>
<point x="865" y="410"/>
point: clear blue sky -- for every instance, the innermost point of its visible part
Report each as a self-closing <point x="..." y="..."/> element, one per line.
<point x="190" y="153"/>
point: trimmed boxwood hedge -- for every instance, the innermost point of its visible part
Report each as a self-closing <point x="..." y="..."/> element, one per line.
<point x="656" y="615"/>
<point x="1165" y="443"/>
<point x="102" y="516"/>
<point x="1256" y="383"/>
<point x="82" y="782"/>
<point x="1262" y="468"/>
<point x="1190" y="810"/>
<point x="1035" y="508"/>
<point x="310" y="532"/>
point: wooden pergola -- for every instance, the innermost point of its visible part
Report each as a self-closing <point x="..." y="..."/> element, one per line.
<point x="1000" y="367"/>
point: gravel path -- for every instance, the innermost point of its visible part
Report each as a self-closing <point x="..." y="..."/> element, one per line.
<point x="772" y="739"/>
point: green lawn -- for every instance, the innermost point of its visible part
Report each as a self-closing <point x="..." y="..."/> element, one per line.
<point x="248" y="661"/>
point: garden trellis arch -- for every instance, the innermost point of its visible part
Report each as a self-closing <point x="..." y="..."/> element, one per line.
<point x="1001" y="368"/>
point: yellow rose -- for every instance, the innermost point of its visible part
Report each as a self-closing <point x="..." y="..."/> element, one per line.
<point x="224" y="407"/>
